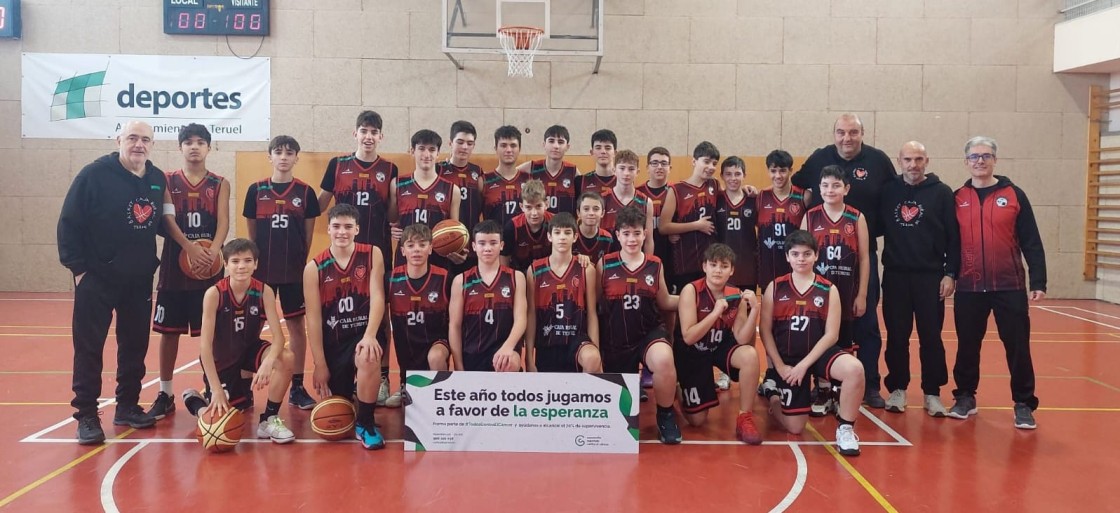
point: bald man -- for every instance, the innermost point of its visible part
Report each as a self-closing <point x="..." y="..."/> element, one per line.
<point x="868" y="170"/>
<point x="921" y="257"/>
<point x="107" y="239"/>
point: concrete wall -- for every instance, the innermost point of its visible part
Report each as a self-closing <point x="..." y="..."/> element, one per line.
<point x="749" y="75"/>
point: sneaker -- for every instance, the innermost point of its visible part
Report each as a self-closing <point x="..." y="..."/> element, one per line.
<point x="823" y="404"/>
<point x="1024" y="418"/>
<point x="395" y="400"/>
<point x="299" y="398"/>
<point x="746" y="431"/>
<point x="274" y="428"/>
<point x="163" y="406"/>
<point x="89" y="430"/>
<point x="872" y="399"/>
<point x="965" y="406"/>
<point x="643" y="396"/>
<point x="647" y="378"/>
<point x="383" y="392"/>
<point x="896" y="403"/>
<point x="723" y="382"/>
<point x="847" y="441"/>
<point x="934" y="407"/>
<point x="370" y="437"/>
<point x="667" y="428"/>
<point x="193" y="401"/>
<point x="132" y="416"/>
<point x="768" y="388"/>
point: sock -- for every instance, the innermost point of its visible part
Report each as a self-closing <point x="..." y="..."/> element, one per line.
<point x="365" y="414"/>
<point x="194" y="404"/>
<point x="664" y="410"/>
<point x="270" y="409"/>
<point x="845" y="422"/>
<point x="297" y="380"/>
<point x="165" y="387"/>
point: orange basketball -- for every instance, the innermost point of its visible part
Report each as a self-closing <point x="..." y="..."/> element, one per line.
<point x="220" y="434"/>
<point x="215" y="268"/>
<point x="333" y="418"/>
<point x="449" y="236"/>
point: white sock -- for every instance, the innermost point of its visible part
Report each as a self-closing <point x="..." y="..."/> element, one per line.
<point x="165" y="387"/>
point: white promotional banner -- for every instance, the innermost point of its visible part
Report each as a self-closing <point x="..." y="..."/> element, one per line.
<point x="522" y="412"/>
<point x="89" y="96"/>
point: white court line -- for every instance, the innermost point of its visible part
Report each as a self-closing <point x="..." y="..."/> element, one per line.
<point x="68" y="300"/>
<point x="883" y="425"/>
<point x="33" y="437"/>
<point x="1048" y="309"/>
<point x="798" y="483"/>
<point x="1087" y="311"/>
<point x="398" y="441"/>
<point x="107" y="501"/>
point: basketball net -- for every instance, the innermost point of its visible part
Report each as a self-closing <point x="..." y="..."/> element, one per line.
<point x="520" y="45"/>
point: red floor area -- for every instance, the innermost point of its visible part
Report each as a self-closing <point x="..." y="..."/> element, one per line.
<point x="982" y="464"/>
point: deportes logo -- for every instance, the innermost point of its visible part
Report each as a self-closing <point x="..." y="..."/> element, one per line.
<point x="78" y="97"/>
<point x="141" y="213"/>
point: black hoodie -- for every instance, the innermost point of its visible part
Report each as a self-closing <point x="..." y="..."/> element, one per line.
<point x="920" y="230"/>
<point x="109" y="220"/>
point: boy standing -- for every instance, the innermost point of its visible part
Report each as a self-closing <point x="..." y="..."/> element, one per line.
<point x="624" y="194"/>
<point x="501" y="188"/>
<point x="460" y="171"/>
<point x="735" y="220"/>
<point x="780" y="208"/>
<point x="424" y="197"/>
<point x="281" y="211"/>
<point x="656" y="189"/>
<point x="689" y="207"/>
<point x="558" y="175"/>
<point x="528" y="232"/>
<point x="603" y="145"/>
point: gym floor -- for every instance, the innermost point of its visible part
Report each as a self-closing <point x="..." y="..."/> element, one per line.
<point x="910" y="462"/>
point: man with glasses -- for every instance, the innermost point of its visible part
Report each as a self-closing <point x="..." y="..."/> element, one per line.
<point x="997" y="230"/>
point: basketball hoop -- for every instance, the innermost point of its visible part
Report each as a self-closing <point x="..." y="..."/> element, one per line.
<point x="520" y="45"/>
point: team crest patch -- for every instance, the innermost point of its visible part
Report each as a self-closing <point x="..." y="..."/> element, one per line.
<point x="1001" y="201"/>
<point x="433" y="297"/>
<point x="649" y="280"/>
<point x="818" y="301"/>
<point x="711" y="190"/>
<point x="474" y="175"/>
<point x="567" y="184"/>
<point x="748" y="212"/>
<point x="849" y="229"/>
<point x="380" y="176"/>
<point x="141" y="213"/>
<point x="505" y="292"/>
<point x="296" y="202"/>
<point x="794" y="208"/>
<point x="360" y="272"/>
<point x="210" y="193"/>
<point x="253" y="310"/>
<point x="440" y="197"/>
<point x="859" y="173"/>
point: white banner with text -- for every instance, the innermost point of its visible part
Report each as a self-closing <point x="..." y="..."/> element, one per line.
<point x="89" y="96"/>
<point x="522" y="412"/>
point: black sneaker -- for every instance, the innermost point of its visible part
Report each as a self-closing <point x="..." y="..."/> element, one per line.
<point x="1024" y="418"/>
<point x="873" y="400"/>
<point x="89" y="431"/>
<point x="163" y="406"/>
<point x="132" y="416"/>
<point x="299" y="398"/>
<point x="667" y="428"/>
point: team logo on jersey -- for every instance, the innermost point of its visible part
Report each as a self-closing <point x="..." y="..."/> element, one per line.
<point x="141" y="213"/>
<point x="909" y="213"/>
<point x="506" y="292"/>
<point x="210" y="193"/>
<point x="818" y="301"/>
<point x="253" y="310"/>
<point x="1001" y="201"/>
<point x="794" y="208"/>
<point x="711" y="190"/>
<point x="547" y="329"/>
<point x="649" y="280"/>
<point x="567" y="183"/>
<point x="360" y="272"/>
<point x="748" y="212"/>
<point x="332" y="322"/>
<point x="769" y="243"/>
<point x="440" y="197"/>
<point x="433" y="297"/>
<point x="575" y="281"/>
<point x="822" y="268"/>
<point x="859" y="173"/>
<point x="474" y="175"/>
<point x="296" y="202"/>
<point x="380" y="176"/>
<point x="849" y="229"/>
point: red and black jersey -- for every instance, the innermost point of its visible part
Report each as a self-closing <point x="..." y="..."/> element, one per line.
<point x="594" y="247"/>
<point x="561" y="303"/>
<point x="722" y="332"/>
<point x="196" y="213"/>
<point x="501" y="198"/>
<point x="470" y="200"/>
<point x="777" y="218"/>
<point x="487" y="310"/>
<point x="279" y="211"/>
<point x="522" y="244"/>
<point x="427" y="206"/>
<point x="613" y="205"/>
<point x="366" y="186"/>
<point x="560" y="189"/>
<point x="661" y="246"/>
<point x="344" y="295"/>
<point x="419" y="314"/>
<point x="735" y="224"/>
<point x="237" y="324"/>
<point x="837" y="251"/>
<point x="998" y="230"/>
<point x="693" y="202"/>
<point x="628" y="306"/>
<point x="799" y="318"/>
<point x="593" y="182"/>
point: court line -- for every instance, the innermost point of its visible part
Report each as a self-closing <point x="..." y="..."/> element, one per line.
<point x="1072" y="409"/>
<point x="1088" y="311"/>
<point x="883" y="425"/>
<point x="34" y="404"/>
<point x="61" y="299"/>
<point x="107" y="501"/>
<point x="775" y="443"/>
<point x="73" y="463"/>
<point x="798" y="482"/>
<point x="855" y="473"/>
<point x="1048" y="309"/>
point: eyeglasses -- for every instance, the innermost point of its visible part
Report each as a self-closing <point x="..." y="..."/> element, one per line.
<point x="659" y="163"/>
<point x="973" y="158"/>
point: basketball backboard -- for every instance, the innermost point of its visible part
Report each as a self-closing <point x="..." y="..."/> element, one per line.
<point x="571" y="27"/>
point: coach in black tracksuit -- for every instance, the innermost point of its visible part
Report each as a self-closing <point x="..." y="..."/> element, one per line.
<point x="921" y="257"/>
<point x="998" y="230"/>
<point x="107" y="239"/>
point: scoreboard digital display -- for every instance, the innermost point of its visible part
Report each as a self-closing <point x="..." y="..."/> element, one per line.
<point x="216" y="17"/>
<point x="10" y="24"/>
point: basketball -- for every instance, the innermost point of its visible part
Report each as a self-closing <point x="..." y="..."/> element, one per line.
<point x="333" y="418"/>
<point x="220" y="434"/>
<point x="449" y="236"/>
<point x="215" y="268"/>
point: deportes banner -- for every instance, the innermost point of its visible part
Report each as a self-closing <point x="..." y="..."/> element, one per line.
<point x="522" y="412"/>
<point x="89" y="96"/>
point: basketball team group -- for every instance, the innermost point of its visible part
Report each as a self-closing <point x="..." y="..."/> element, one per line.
<point x="536" y="266"/>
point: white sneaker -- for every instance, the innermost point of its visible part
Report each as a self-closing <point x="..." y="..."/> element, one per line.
<point x="274" y="428"/>
<point x="383" y="392"/>
<point x="395" y="400"/>
<point x="723" y="382"/>
<point x="934" y="406"/>
<point x="847" y="441"/>
<point x="897" y="401"/>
